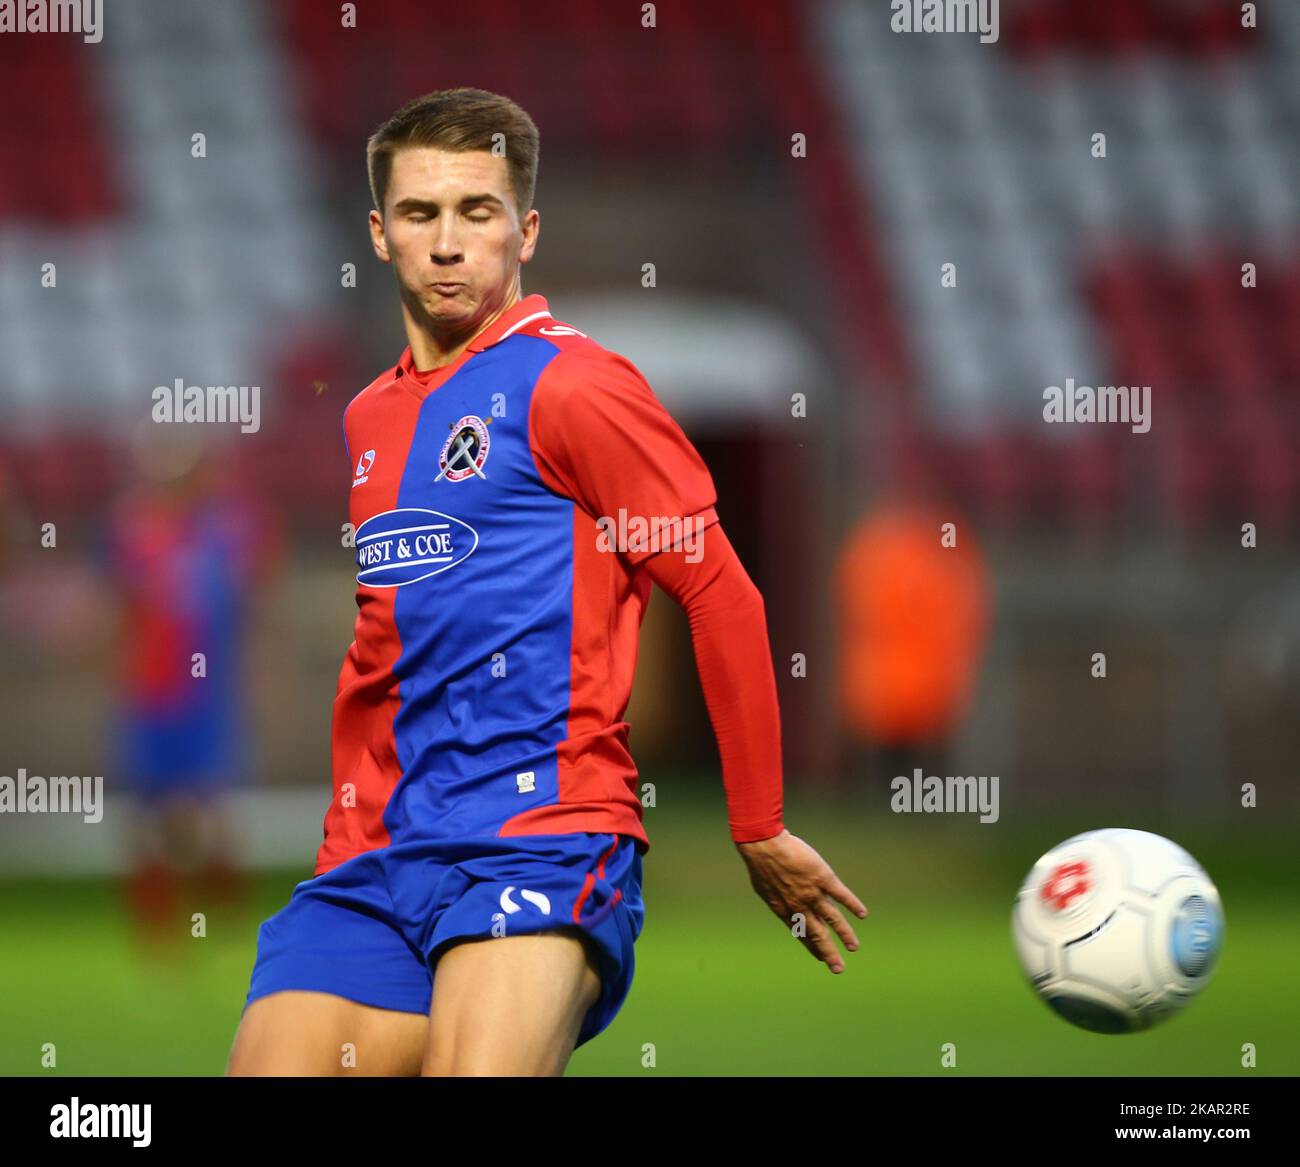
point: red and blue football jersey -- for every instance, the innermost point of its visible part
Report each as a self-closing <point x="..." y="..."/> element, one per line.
<point x="496" y="632"/>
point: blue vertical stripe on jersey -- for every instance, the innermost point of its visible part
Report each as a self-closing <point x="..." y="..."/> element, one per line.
<point x="484" y="673"/>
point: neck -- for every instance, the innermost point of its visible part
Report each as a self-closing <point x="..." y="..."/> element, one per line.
<point x="431" y="347"/>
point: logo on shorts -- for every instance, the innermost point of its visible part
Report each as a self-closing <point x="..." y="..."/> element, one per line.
<point x="536" y="898"/>
<point x="465" y="450"/>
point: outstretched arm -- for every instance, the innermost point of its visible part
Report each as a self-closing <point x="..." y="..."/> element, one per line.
<point x="600" y="437"/>
<point x="729" y="632"/>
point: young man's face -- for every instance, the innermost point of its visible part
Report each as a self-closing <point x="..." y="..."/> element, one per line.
<point x="452" y="232"/>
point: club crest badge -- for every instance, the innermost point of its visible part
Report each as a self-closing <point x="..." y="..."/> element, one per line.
<point x="464" y="451"/>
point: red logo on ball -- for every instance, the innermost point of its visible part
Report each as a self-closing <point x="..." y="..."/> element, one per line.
<point x="1066" y="884"/>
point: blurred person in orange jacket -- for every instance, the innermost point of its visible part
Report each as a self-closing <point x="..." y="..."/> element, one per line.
<point x="913" y="602"/>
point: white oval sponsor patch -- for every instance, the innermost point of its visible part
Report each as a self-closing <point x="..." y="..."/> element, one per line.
<point x="409" y="544"/>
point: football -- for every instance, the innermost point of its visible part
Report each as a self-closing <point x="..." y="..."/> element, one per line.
<point x="1117" y="929"/>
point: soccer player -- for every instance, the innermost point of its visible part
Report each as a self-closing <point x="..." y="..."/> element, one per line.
<point x="186" y="557"/>
<point x="478" y="891"/>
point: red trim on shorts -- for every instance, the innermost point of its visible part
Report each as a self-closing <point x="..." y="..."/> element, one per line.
<point x="590" y="882"/>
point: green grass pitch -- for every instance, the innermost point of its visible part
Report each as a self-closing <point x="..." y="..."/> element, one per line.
<point x="720" y="986"/>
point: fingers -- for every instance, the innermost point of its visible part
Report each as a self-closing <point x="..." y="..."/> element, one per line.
<point x="831" y="915"/>
<point x="841" y="892"/>
<point x="819" y="941"/>
<point x="820" y="945"/>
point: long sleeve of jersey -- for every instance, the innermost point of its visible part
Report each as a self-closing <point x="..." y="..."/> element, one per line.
<point x="729" y="631"/>
<point x="602" y="438"/>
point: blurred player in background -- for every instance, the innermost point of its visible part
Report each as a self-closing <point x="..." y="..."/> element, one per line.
<point x="185" y="555"/>
<point x="478" y="891"/>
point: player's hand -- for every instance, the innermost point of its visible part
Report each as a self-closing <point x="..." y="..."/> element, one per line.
<point x="800" y="887"/>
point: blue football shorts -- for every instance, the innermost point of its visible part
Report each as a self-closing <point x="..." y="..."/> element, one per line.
<point x="372" y="928"/>
<point x="198" y="750"/>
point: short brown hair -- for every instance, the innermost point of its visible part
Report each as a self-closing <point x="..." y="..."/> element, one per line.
<point x="459" y="120"/>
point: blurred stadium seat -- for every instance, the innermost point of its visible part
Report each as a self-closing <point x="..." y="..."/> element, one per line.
<point x="1123" y="270"/>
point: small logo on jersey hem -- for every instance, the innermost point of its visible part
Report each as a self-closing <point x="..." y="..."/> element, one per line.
<point x="465" y="450"/>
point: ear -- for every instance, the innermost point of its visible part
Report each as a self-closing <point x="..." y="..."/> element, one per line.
<point x="377" y="240"/>
<point x="531" y="227"/>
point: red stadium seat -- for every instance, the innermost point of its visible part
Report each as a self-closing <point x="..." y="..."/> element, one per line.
<point x="53" y="143"/>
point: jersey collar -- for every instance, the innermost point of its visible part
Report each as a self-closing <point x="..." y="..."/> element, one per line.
<point x="515" y="317"/>
<point x="528" y="309"/>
